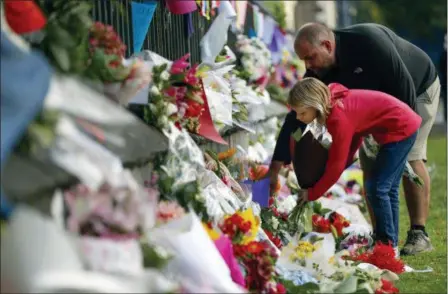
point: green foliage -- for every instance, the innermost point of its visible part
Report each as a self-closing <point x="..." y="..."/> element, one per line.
<point x="420" y="18"/>
<point x="40" y="133"/>
<point x="277" y="8"/>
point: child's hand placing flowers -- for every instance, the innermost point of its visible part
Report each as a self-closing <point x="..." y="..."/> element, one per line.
<point x="302" y="198"/>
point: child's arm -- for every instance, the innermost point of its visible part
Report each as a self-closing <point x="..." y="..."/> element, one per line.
<point x="356" y="143"/>
<point x="342" y="133"/>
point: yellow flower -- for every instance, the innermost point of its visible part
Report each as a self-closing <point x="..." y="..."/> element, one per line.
<point x="248" y="215"/>
<point x="213" y="234"/>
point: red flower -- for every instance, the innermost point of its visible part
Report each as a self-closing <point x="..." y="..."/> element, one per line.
<point x="320" y="224"/>
<point x="277" y="241"/>
<point x="383" y="257"/>
<point x="387" y="287"/>
<point x="271" y="201"/>
<point x="190" y="77"/>
<point x="265" y="269"/>
<point x="239" y="250"/>
<point x="194" y="109"/>
<point x="281" y="289"/>
<point x="339" y="225"/>
<point x="255" y="247"/>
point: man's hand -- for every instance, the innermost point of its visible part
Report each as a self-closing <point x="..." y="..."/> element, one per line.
<point x="302" y="197"/>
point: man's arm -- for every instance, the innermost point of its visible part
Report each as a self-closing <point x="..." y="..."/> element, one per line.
<point x="282" y="154"/>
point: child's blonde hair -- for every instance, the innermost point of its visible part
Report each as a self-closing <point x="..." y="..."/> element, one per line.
<point x="311" y="92"/>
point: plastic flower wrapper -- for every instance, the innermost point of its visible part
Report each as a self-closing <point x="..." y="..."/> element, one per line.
<point x="350" y="279"/>
<point x="215" y="164"/>
<point x="219" y="198"/>
<point x="242" y="91"/>
<point x="111" y="211"/>
<point x="188" y="240"/>
<point x="226" y="57"/>
<point x="184" y="157"/>
<point x="140" y="76"/>
<point x="354" y="241"/>
<point x="219" y="95"/>
<point x="311" y="253"/>
<point x="371" y="148"/>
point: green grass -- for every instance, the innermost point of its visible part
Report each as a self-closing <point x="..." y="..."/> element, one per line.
<point x="435" y="282"/>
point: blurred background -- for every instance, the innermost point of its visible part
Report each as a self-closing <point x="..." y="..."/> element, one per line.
<point x="424" y="23"/>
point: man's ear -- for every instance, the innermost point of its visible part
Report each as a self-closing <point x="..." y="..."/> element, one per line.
<point x="327" y="45"/>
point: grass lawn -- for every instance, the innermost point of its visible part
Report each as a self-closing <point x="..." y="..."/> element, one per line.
<point x="435" y="282"/>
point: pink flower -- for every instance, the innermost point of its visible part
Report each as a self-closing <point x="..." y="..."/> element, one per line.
<point x="191" y="78"/>
<point x="180" y="65"/>
<point x="168" y="210"/>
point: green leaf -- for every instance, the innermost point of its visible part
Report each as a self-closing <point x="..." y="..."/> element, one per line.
<point x="61" y="56"/>
<point x="60" y="36"/>
<point x="151" y="258"/>
<point x="324" y="211"/>
<point x="334" y="231"/>
<point x="317" y="206"/>
<point x="305" y="288"/>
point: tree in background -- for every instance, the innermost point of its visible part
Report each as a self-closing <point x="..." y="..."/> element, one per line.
<point x="417" y="18"/>
<point x="277" y="8"/>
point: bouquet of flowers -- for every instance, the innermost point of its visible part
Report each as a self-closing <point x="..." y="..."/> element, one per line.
<point x="361" y="278"/>
<point x="214" y="162"/>
<point x="255" y="59"/>
<point x="241" y="227"/>
<point x="106" y="53"/>
<point x="258" y="259"/>
<point x="77" y="45"/>
<point x="176" y="94"/>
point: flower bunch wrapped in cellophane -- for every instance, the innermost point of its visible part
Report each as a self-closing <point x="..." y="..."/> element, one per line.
<point x="176" y="172"/>
<point x="175" y="95"/>
<point x="364" y="277"/>
<point x="311" y="253"/>
<point x="255" y="60"/>
<point x="214" y="162"/>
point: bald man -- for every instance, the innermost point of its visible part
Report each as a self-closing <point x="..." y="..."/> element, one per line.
<point x="371" y="56"/>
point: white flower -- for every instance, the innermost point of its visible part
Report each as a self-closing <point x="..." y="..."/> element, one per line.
<point x="162" y="120"/>
<point x="171" y="109"/>
<point x="287" y="205"/>
<point x="165" y="75"/>
<point x="275" y="223"/>
<point x="154" y="90"/>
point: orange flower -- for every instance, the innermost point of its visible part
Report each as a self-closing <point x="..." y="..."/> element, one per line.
<point x="258" y="172"/>
<point x="226" y="154"/>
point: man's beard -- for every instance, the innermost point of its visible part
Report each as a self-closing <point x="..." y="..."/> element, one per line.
<point x="322" y="72"/>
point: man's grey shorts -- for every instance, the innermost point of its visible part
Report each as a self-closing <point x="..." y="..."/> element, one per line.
<point x="427" y="106"/>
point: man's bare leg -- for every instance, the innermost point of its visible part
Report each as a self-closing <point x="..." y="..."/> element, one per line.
<point x="417" y="201"/>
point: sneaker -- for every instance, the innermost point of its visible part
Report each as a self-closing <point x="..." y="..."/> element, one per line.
<point x="416" y="242"/>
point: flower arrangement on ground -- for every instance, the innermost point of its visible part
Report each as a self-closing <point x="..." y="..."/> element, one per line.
<point x="175" y="95"/>
<point x="255" y="60"/>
